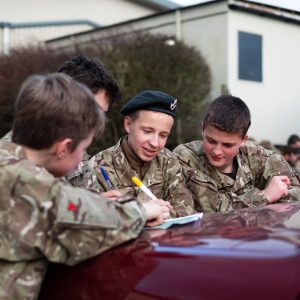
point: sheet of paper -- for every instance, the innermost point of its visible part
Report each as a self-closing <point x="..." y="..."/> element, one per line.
<point x="177" y="221"/>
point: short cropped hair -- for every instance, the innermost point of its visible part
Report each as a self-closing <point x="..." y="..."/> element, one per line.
<point x="134" y="115"/>
<point x="93" y="74"/>
<point x="286" y="150"/>
<point x="228" y="113"/>
<point x="293" y="139"/>
<point x="52" y="107"/>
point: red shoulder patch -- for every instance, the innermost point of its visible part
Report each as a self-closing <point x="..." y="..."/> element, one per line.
<point x="72" y="206"/>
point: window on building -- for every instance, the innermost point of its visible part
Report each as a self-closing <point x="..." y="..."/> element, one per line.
<point x="250" y="56"/>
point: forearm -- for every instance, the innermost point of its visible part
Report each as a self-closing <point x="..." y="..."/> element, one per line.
<point x="87" y="180"/>
<point x="254" y="197"/>
<point x="180" y="197"/>
<point x="209" y="199"/>
<point x="181" y="207"/>
<point x="77" y="244"/>
<point x="87" y="224"/>
<point x="293" y="191"/>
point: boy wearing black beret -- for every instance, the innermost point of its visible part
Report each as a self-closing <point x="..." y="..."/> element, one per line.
<point x="148" y="119"/>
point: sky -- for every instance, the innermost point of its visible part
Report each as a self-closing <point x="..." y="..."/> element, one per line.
<point x="289" y="4"/>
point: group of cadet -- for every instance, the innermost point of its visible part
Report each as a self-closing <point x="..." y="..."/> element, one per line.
<point x="44" y="218"/>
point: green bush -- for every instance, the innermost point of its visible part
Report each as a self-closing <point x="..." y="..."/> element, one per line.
<point x="138" y="62"/>
<point x="15" y="68"/>
<point x="143" y="61"/>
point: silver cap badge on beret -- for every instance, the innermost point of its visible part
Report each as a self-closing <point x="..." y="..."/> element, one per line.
<point x="173" y="105"/>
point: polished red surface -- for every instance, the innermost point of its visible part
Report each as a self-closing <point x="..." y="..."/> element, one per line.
<point x="247" y="254"/>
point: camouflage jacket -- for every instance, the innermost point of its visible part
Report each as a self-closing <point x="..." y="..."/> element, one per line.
<point x="214" y="191"/>
<point x="164" y="178"/>
<point x="45" y="219"/>
<point x="75" y="176"/>
<point x="297" y="167"/>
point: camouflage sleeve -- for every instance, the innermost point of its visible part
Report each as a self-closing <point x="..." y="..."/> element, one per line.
<point x="84" y="175"/>
<point x="83" y="224"/>
<point x="202" y="190"/>
<point x="177" y="193"/>
<point x="87" y="180"/>
<point x="297" y="167"/>
<point x="276" y="165"/>
<point x="208" y="198"/>
<point x="97" y="181"/>
<point x="186" y="157"/>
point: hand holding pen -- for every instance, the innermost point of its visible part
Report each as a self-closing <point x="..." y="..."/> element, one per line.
<point x="111" y="194"/>
<point x="165" y="206"/>
<point x="143" y="188"/>
<point x="106" y="178"/>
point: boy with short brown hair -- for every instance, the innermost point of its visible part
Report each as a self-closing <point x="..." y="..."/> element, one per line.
<point x="43" y="218"/>
<point x="225" y="171"/>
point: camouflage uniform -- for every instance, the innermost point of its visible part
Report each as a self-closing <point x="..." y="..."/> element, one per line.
<point x="214" y="191"/>
<point x="297" y="166"/>
<point x="45" y="219"/>
<point x="164" y="178"/>
<point x="75" y="177"/>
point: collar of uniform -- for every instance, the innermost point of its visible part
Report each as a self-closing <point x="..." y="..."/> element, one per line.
<point x="13" y="148"/>
<point x="121" y="166"/>
<point x="197" y="156"/>
<point x="243" y="175"/>
<point x="134" y="161"/>
<point x="124" y="170"/>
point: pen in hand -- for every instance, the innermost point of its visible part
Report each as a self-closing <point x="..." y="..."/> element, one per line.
<point x="143" y="188"/>
<point x="106" y="178"/>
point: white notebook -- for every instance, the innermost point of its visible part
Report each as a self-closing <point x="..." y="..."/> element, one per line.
<point x="178" y="221"/>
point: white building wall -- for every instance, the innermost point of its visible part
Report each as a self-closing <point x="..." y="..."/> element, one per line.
<point x="204" y="28"/>
<point x="102" y="12"/>
<point x="23" y="36"/>
<point x="274" y="102"/>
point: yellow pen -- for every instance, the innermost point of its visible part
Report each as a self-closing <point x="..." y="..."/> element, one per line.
<point x="143" y="188"/>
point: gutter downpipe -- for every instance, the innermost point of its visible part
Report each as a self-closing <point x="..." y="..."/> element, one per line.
<point x="178" y="38"/>
<point x="178" y="25"/>
<point x="5" y="38"/>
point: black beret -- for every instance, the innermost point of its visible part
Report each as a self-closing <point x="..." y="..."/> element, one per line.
<point x="151" y="100"/>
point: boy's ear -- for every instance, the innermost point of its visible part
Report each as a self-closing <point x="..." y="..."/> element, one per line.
<point x="244" y="140"/>
<point x="127" y="123"/>
<point x="63" y="147"/>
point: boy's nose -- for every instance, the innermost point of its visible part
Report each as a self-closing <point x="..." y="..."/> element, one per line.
<point x="154" y="141"/>
<point x="217" y="150"/>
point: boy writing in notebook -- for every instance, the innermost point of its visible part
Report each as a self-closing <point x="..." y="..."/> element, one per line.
<point x="225" y="172"/>
<point x="43" y="218"/>
<point x="148" y="119"/>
